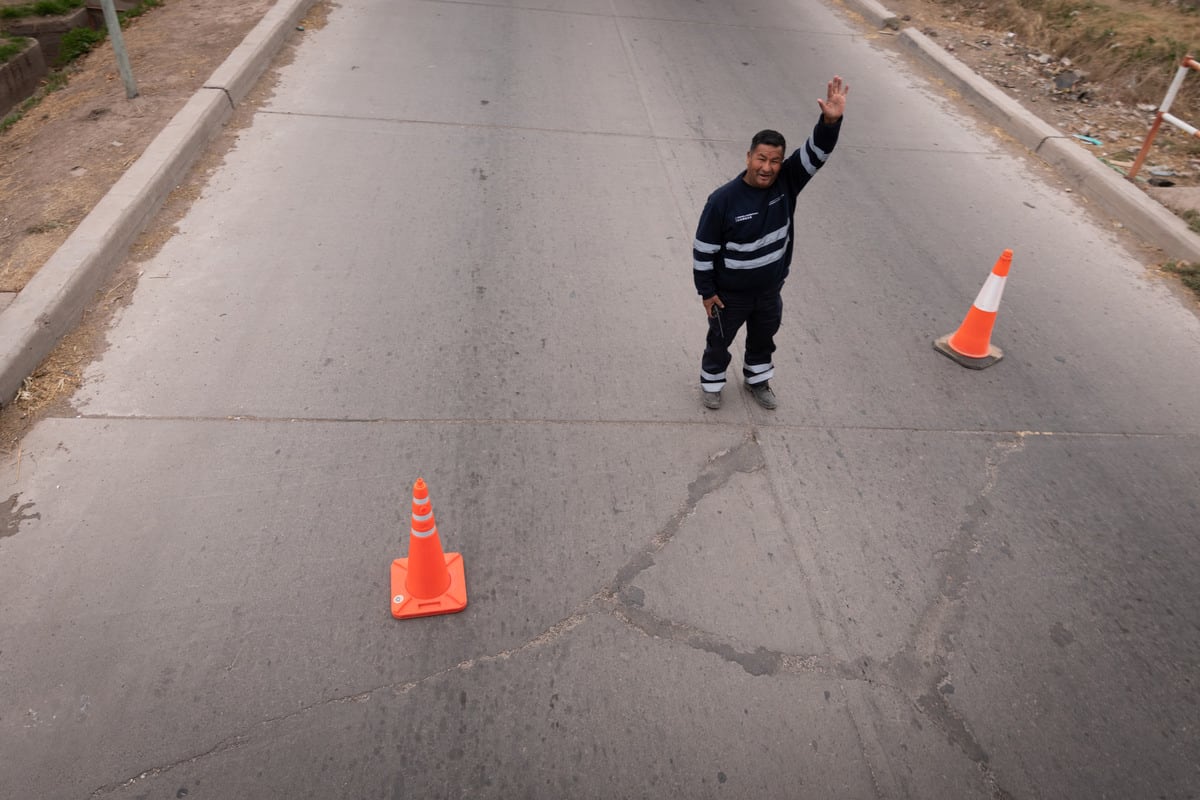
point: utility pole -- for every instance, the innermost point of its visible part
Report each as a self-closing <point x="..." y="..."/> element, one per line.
<point x="118" y="42"/>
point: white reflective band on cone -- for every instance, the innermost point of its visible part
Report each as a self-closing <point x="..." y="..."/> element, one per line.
<point x="423" y="517"/>
<point x="989" y="295"/>
<point x="424" y="535"/>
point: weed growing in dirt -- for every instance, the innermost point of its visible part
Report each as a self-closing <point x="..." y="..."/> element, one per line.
<point x="42" y="8"/>
<point x="142" y="8"/>
<point x="1192" y="218"/>
<point x="11" y="46"/>
<point x="54" y="81"/>
<point x="78" y="42"/>
<point x="45" y="227"/>
<point x="1188" y="273"/>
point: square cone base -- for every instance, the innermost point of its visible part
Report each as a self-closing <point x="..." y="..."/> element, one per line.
<point x="453" y="599"/>
<point x="942" y="345"/>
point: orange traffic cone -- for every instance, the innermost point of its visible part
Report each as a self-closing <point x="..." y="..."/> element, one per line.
<point x="971" y="344"/>
<point x="429" y="581"/>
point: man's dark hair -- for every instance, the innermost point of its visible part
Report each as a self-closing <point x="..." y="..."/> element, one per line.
<point x="770" y="138"/>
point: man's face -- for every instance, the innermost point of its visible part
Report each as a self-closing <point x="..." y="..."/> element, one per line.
<point x="763" y="164"/>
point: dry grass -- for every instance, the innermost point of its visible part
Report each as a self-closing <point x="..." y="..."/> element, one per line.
<point x="1132" y="46"/>
<point x="1188" y="274"/>
<point x="55" y="379"/>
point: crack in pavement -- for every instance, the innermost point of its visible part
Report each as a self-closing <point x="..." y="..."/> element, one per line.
<point x="546" y="637"/>
<point x="761" y="661"/>
<point x="918" y="671"/>
<point x="745" y="457"/>
<point x="399" y="689"/>
<point x="228" y="743"/>
<point x="920" y="668"/>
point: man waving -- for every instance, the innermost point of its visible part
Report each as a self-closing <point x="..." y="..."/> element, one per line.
<point x="743" y="249"/>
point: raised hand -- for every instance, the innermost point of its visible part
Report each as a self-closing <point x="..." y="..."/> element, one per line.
<point x="834" y="104"/>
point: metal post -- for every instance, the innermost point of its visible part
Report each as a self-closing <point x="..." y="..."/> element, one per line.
<point x="1145" y="151"/>
<point x="118" y="42"/>
<point x="1172" y="90"/>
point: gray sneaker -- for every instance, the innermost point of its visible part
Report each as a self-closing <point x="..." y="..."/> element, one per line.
<point x="763" y="394"/>
<point x="711" y="399"/>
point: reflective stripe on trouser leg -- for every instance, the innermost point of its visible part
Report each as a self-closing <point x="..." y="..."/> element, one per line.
<point x="716" y="350"/>
<point x="710" y="382"/>
<point x="758" y="373"/>
<point x="761" y="327"/>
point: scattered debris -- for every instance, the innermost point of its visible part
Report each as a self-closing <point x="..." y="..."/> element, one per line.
<point x="1066" y="80"/>
<point x="1054" y="87"/>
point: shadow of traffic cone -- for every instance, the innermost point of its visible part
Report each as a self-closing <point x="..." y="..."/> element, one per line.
<point x="971" y="345"/>
<point x="429" y="581"/>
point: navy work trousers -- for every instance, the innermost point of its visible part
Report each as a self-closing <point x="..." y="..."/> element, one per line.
<point x="761" y="313"/>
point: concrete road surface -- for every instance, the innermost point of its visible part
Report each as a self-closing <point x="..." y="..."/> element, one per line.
<point x="455" y="244"/>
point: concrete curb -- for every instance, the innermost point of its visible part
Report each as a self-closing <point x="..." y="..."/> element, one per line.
<point x="875" y="13"/>
<point x="52" y="302"/>
<point x="1085" y="173"/>
<point x="1028" y="129"/>
<point x="250" y="59"/>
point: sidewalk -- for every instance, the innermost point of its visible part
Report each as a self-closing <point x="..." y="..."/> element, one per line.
<point x="53" y="301"/>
